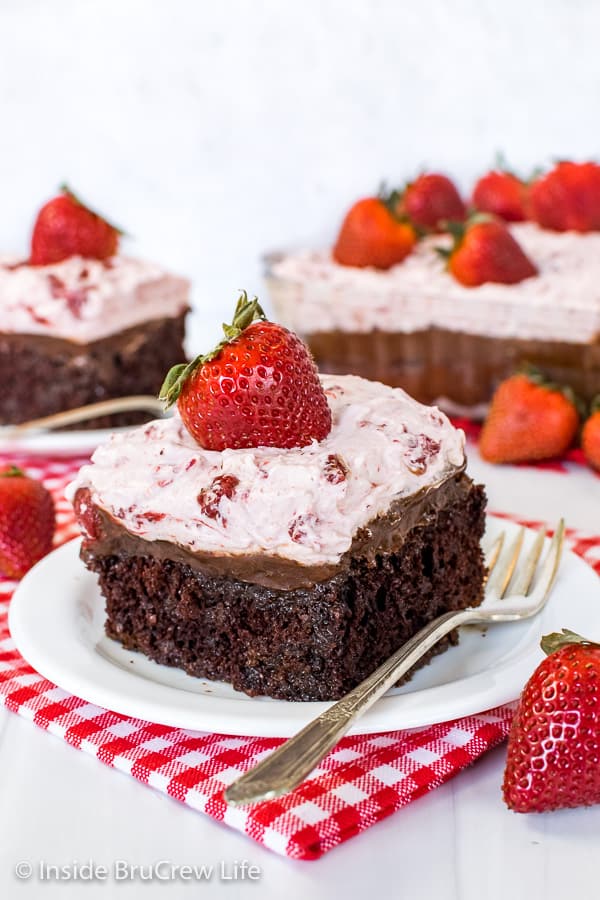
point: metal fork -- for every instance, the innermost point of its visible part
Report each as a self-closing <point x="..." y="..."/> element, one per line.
<point x="141" y="402"/>
<point x="289" y="765"/>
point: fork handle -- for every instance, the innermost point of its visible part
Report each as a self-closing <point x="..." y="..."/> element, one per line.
<point x="289" y="765"/>
<point x="143" y="402"/>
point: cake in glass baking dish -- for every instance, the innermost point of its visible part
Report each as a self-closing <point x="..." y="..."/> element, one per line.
<point x="283" y="531"/>
<point x="80" y="323"/>
<point x="446" y="307"/>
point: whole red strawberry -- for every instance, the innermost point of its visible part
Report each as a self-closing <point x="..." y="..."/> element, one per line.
<point x="567" y="198"/>
<point x="590" y="436"/>
<point x="485" y="250"/>
<point x="432" y="200"/>
<point x="554" y="742"/>
<point x="27" y="522"/>
<point x="65" y="227"/>
<point x="372" y="235"/>
<point x="502" y="194"/>
<point x="528" y="420"/>
<point x="259" y="387"/>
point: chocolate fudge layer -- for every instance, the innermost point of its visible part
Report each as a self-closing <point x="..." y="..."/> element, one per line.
<point x="438" y="365"/>
<point x="47" y="375"/>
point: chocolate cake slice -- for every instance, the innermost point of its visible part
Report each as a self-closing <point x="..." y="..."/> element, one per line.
<point x="84" y="330"/>
<point x="290" y="573"/>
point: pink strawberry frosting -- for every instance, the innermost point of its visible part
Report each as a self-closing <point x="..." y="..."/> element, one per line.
<point x="312" y="293"/>
<point x="304" y="505"/>
<point x="83" y="300"/>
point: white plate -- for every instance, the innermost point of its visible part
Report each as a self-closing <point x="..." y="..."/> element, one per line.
<point x="58" y="443"/>
<point x="57" y="616"/>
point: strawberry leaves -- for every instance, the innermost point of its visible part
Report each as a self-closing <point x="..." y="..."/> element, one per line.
<point x="66" y="190"/>
<point x="550" y="643"/>
<point x="246" y="312"/>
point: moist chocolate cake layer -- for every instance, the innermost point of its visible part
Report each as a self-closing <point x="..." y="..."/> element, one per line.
<point x="44" y="375"/>
<point x="460" y="367"/>
<point x="307" y="643"/>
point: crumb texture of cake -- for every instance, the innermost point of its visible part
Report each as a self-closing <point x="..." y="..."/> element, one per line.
<point x="48" y="375"/>
<point x="290" y="573"/>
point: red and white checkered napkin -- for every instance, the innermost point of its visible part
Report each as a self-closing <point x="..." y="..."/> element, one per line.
<point x="361" y="782"/>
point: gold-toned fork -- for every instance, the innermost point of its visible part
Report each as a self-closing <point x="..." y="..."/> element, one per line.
<point x="139" y="402"/>
<point x="289" y="765"/>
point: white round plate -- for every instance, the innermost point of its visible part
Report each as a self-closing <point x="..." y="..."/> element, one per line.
<point x="57" y="618"/>
<point x="59" y="443"/>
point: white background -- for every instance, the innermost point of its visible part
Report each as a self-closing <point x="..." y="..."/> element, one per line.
<point x="213" y="132"/>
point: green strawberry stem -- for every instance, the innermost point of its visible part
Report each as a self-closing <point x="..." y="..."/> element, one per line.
<point x="246" y="312"/>
<point x="65" y="189"/>
<point x="12" y="472"/>
<point x="458" y="230"/>
<point x="392" y="200"/>
<point x="595" y="405"/>
<point x="550" y="643"/>
<point x="537" y="377"/>
<point x="501" y="165"/>
<point x="478" y="218"/>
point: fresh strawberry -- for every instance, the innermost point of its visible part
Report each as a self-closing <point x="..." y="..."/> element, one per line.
<point x="259" y="387"/>
<point x="65" y="227"/>
<point x="567" y="198"/>
<point x="432" y="200"/>
<point x="528" y="420"/>
<point x="372" y="235"/>
<point x="485" y="250"/>
<point x="590" y="436"/>
<point x="502" y="194"/>
<point x="27" y="522"/>
<point x="554" y="741"/>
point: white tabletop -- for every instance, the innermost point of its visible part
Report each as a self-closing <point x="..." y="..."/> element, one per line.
<point x="60" y="806"/>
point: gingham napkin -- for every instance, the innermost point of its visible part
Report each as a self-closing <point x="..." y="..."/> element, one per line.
<point x="362" y="781"/>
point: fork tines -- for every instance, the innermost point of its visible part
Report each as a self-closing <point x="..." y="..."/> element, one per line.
<point x="502" y="564"/>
